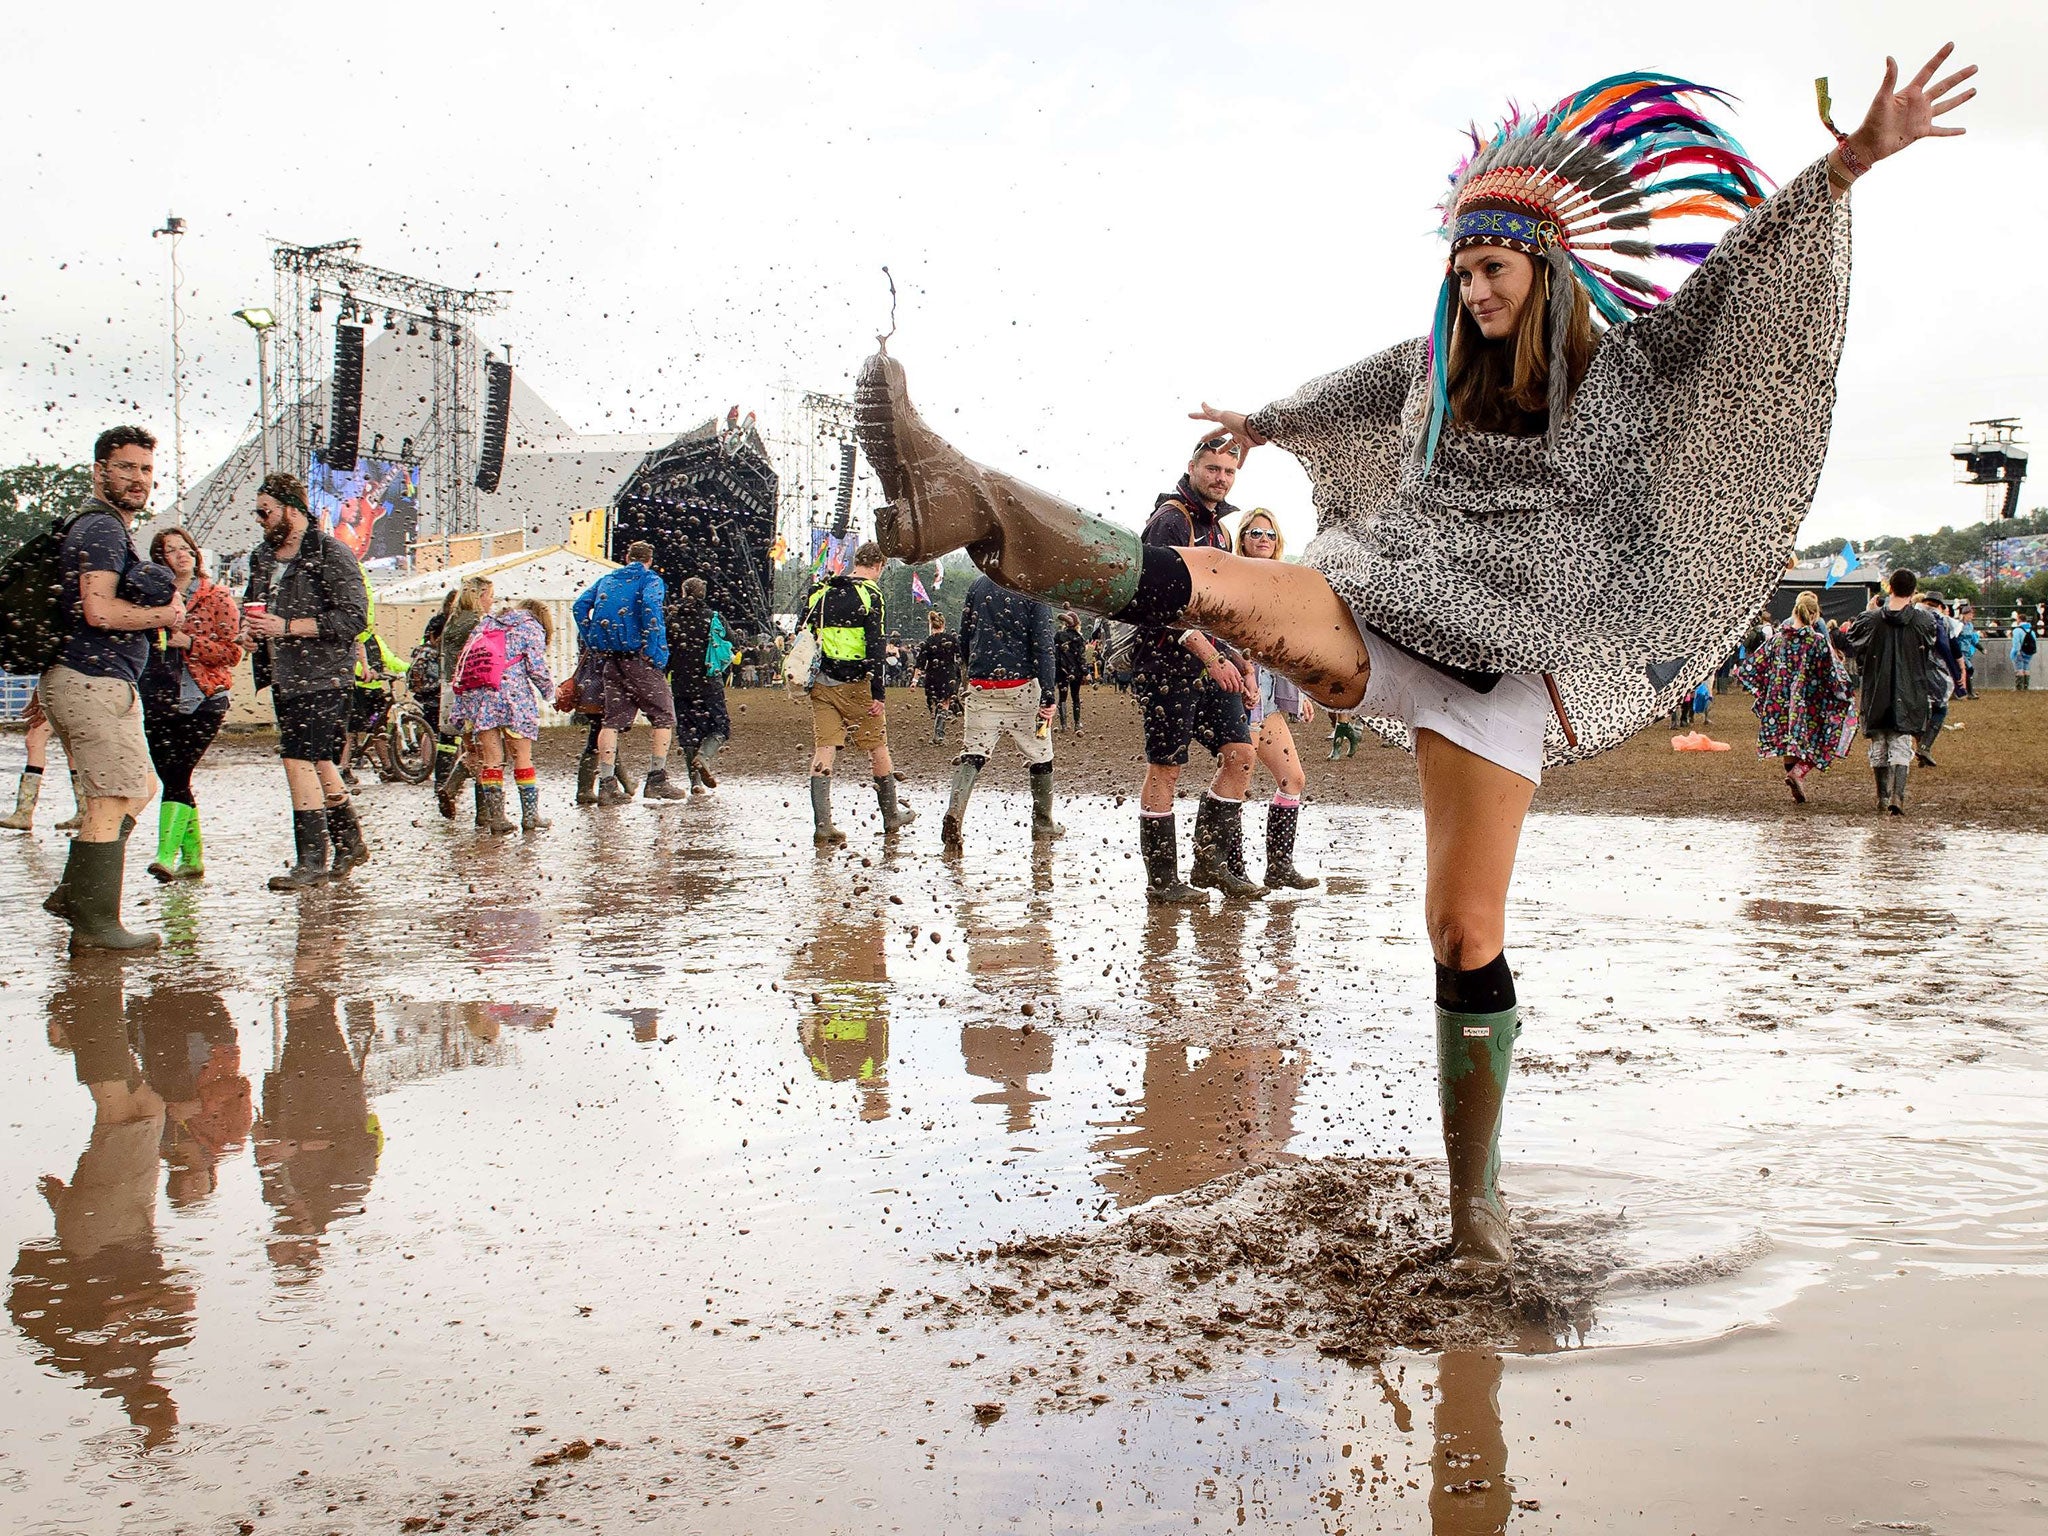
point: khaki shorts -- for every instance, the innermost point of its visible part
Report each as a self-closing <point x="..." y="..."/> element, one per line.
<point x="99" y="720"/>
<point x="993" y="711"/>
<point x="840" y="718"/>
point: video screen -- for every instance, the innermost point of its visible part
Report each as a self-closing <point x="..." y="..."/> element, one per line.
<point x="374" y="508"/>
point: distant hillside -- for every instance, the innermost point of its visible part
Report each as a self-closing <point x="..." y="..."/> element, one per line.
<point x="1960" y="553"/>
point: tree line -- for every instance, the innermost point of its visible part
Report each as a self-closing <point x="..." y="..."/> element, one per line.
<point x="1953" y="547"/>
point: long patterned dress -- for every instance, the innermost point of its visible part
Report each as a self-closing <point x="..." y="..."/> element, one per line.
<point x="514" y="705"/>
<point x="1802" y="695"/>
<point x="1628" y="562"/>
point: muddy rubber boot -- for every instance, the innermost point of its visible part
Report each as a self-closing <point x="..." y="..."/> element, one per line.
<point x="823" y="833"/>
<point x="309" y="832"/>
<point x="965" y="772"/>
<point x="938" y="727"/>
<point x="76" y="819"/>
<point x="1219" y="849"/>
<point x="625" y="779"/>
<point x="1160" y="848"/>
<point x="530" y="818"/>
<point x="1282" y="822"/>
<point x="586" y="779"/>
<point x="1043" y="827"/>
<point x="346" y="834"/>
<point x="940" y="501"/>
<point x="1884" y="789"/>
<point x="23" y="817"/>
<point x="448" y="796"/>
<point x="894" y="818"/>
<point x="447" y="752"/>
<point x="1473" y="1054"/>
<point x="192" y="852"/>
<point x="707" y="753"/>
<point x="660" y="786"/>
<point x="170" y="836"/>
<point x="492" y="817"/>
<point x="1900" y="771"/>
<point x="93" y="876"/>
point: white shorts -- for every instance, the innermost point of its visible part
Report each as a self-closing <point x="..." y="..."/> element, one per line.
<point x="992" y="712"/>
<point x="1504" y="726"/>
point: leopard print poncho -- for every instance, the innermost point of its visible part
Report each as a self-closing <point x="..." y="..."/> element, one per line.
<point x="1627" y="562"/>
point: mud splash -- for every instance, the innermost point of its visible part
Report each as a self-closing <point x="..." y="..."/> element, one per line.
<point x="1349" y="1255"/>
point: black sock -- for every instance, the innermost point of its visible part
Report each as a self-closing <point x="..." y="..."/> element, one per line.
<point x="32" y="768"/>
<point x="1164" y="589"/>
<point x="1489" y="989"/>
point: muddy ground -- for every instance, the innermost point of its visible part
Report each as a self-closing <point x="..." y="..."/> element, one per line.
<point x="1993" y="763"/>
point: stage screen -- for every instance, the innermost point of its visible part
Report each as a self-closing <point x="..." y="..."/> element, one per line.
<point x="374" y="508"/>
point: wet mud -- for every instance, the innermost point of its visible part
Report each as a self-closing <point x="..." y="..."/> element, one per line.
<point x="660" y="1172"/>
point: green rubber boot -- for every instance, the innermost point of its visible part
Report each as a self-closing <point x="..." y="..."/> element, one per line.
<point x="170" y="838"/>
<point x="192" y="852"/>
<point x="1473" y="1055"/>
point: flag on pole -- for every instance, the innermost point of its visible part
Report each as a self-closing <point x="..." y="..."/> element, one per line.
<point x="1843" y="563"/>
<point x="917" y="590"/>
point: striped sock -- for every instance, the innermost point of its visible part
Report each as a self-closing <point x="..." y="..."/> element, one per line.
<point x="491" y="778"/>
<point x="525" y="776"/>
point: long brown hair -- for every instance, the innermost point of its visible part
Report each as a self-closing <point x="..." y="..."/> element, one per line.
<point x="1503" y="386"/>
<point x="539" y="610"/>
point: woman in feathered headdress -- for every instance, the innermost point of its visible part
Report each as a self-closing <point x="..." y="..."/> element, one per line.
<point x="1540" y="524"/>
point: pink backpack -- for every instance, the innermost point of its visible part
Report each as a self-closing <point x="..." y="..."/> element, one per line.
<point x="481" y="667"/>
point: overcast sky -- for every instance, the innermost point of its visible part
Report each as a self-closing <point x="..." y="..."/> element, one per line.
<point x="1098" y="215"/>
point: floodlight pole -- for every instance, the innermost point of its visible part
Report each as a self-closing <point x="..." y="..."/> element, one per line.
<point x="174" y="227"/>
<point x="261" y="321"/>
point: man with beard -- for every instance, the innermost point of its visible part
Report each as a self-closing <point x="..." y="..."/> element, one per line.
<point x="91" y="692"/>
<point x="1191" y="687"/>
<point x="309" y="604"/>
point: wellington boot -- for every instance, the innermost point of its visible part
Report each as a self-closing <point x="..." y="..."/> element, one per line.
<point x="965" y="772"/>
<point x="586" y="779"/>
<point x="1474" y="1052"/>
<point x="493" y="817"/>
<point x="530" y="818"/>
<point x="1884" y="788"/>
<point x="309" y="834"/>
<point x="1219" y="850"/>
<point x="351" y="852"/>
<point x="448" y="796"/>
<point x="1900" y="773"/>
<point x="92" y="874"/>
<point x="23" y="817"/>
<point x="1282" y="822"/>
<point x="707" y="754"/>
<point x="476" y="790"/>
<point x="626" y="780"/>
<point x="76" y="819"/>
<point x="894" y="817"/>
<point x="1043" y="827"/>
<point x="823" y="833"/>
<point x="192" y="852"/>
<point x="940" y="501"/>
<point x="170" y="838"/>
<point x="1159" y="845"/>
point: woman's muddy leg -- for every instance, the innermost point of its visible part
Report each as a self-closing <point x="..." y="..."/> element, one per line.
<point x="1286" y="616"/>
<point x="1472" y="813"/>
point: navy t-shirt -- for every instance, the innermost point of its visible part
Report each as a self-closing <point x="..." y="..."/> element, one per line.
<point x="99" y="541"/>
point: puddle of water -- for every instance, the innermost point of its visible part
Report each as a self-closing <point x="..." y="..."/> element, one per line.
<point x="514" y="1142"/>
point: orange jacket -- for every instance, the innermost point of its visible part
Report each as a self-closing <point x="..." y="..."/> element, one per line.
<point x="212" y="620"/>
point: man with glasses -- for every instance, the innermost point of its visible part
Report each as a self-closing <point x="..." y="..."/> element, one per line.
<point x="113" y="599"/>
<point x="1193" y="687"/>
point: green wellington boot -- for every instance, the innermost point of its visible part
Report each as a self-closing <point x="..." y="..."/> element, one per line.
<point x="823" y="832"/>
<point x="92" y="875"/>
<point x="23" y="817"/>
<point x="170" y="838"/>
<point x="1473" y="1054"/>
<point x="1043" y="827"/>
<point x="192" y="852"/>
<point x="965" y="772"/>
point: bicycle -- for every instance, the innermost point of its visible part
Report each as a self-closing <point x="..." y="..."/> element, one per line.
<point x="396" y="740"/>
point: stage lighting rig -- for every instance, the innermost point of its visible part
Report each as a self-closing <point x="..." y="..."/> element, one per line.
<point x="1996" y="459"/>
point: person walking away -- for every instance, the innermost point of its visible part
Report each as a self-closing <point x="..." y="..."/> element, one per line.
<point x="938" y="664"/>
<point x="1190" y="688"/>
<point x="305" y="604"/>
<point x="2021" y="649"/>
<point x="473" y="599"/>
<point x="848" y="703"/>
<point x="1944" y="677"/>
<point x="1893" y="639"/>
<point x="423" y="681"/>
<point x="619" y="616"/>
<point x="498" y="691"/>
<point x="702" y="724"/>
<point x="1011" y="671"/>
<point x="185" y="699"/>
<point x="1258" y="538"/>
<point x="36" y="746"/>
<point x="1802" y="695"/>
<point x="1968" y="643"/>
<point x="1070" y="665"/>
<point x="91" y="694"/>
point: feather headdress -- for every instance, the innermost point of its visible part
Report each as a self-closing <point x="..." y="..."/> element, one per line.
<point x="1582" y="188"/>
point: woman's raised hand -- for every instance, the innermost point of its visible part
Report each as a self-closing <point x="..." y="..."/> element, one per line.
<point x="1898" y="117"/>
<point x="1232" y="422"/>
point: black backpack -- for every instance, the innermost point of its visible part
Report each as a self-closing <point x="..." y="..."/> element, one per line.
<point x="2028" y="645"/>
<point x="35" y="626"/>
